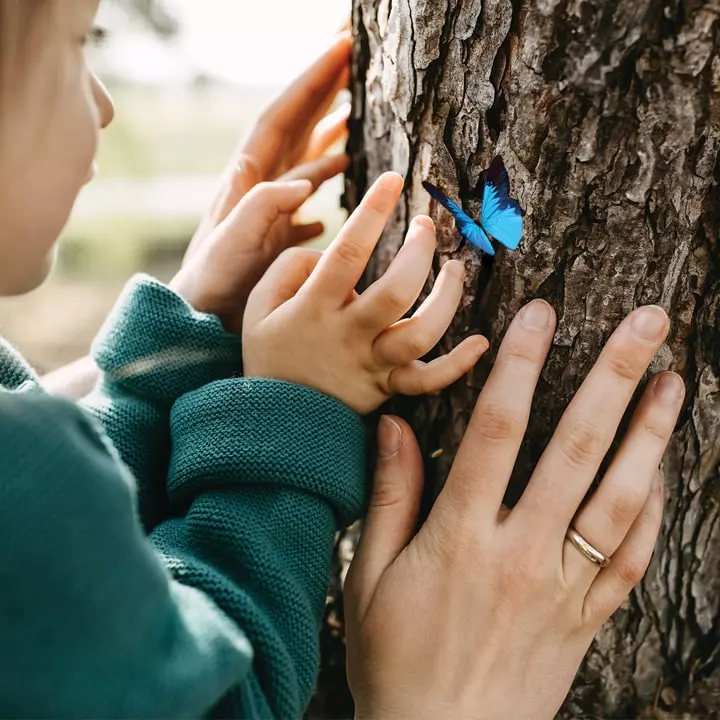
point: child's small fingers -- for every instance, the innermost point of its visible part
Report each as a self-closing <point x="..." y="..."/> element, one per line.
<point x="255" y="214"/>
<point x="390" y="297"/>
<point x="319" y="170"/>
<point x="410" y="339"/>
<point x="239" y="181"/>
<point x="419" y="378"/>
<point x="629" y="564"/>
<point x="280" y="283"/>
<point x="345" y="260"/>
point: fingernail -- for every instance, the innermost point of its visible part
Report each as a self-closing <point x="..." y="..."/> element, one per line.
<point x="455" y="268"/>
<point x="536" y="315"/>
<point x="669" y="388"/>
<point x="650" y="323"/>
<point x="425" y="221"/>
<point x="304" y="185"/>
<point x="389" y="437"/>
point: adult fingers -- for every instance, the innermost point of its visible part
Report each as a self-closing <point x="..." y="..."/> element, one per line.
<point x="392" y="295"/>
<point x="393" y="511"/>
<point x="606" y="518"/>
<point x="629" y="564"/>
<point x="410" y="339"/>
<point x="294" y="114"/>
<point x="330" y="130"/>
<point x="588" y="426"/>
<point x="345" y="260"/>
<point x="487" y="454"/>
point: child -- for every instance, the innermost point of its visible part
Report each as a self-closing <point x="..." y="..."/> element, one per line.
<point x="169" y="556"/>
<point x="166" y="544"/>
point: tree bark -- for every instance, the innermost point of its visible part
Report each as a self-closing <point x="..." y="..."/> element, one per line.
<point x="607" y="114"/>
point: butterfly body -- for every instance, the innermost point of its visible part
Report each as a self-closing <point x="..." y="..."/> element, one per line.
<point x="501" y="215"/>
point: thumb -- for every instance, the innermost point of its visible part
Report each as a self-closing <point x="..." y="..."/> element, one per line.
<point x="255" y="214"/>
<point x="237" y="182"/>
<point x="393" y="511"/>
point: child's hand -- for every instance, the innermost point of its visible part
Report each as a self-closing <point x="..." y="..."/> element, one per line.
<point x="306" y="324"/>
<point x="220" y="276"/>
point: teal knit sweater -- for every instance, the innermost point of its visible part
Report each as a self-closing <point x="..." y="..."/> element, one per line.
<point x="165" y="546"/>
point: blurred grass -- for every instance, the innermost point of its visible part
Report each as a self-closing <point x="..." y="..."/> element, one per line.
<point x="177" y="131"/>
<point x="157" y="132"/>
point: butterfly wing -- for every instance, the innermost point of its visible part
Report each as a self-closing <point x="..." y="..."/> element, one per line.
<point x="468" y="228"/>
<point x="477" y="236"/>
<point x="501" y="215"/>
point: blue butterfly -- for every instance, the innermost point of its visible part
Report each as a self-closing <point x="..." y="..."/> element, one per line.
<point x="501" y="215"/>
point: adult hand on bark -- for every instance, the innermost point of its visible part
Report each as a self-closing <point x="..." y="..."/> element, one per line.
<point x="247" y="227"/>
<point x="290" y="141"/>
<point x="485" y="612"/>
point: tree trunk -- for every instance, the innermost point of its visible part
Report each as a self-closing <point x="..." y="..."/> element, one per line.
<point x="607" y="114"/>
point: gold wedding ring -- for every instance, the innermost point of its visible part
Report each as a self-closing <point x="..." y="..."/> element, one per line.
<point x="591" y="553"/>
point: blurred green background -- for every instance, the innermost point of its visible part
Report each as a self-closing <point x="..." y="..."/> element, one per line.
<point x="188" y="80"/>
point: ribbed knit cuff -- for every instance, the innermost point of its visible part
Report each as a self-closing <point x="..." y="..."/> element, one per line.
<point x="256" y="431"/>
<point x="156" y="345"/>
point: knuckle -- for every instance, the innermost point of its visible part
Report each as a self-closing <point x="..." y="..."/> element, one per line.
<point x="630" y="569"/>
<point x="417" y="383"/>
<point x="517" y="354"/>
<point x="657" y="427"/>
<point x="523" y="573"/>
<point x="623" y="507"/>
<point x="395" y="300"/>
<point x="583" y="444"/>
<point x="495" y="422"/>
<point x="623" y="366"/>
<point x="418" y="343"/>
<point x="351" y="252"/>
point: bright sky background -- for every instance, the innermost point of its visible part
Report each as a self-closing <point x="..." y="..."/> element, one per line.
<point x="262" y="42"/>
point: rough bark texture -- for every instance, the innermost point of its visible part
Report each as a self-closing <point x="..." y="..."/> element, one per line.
<point x="607" y="114"/>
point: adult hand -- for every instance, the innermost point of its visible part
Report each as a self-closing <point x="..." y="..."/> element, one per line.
<point x="275" y="171"/>
<point x="289" y="142"/>
<point x="487" y="613"/>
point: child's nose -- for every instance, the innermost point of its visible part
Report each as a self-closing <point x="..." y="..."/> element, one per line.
<point x="104" y="102"/>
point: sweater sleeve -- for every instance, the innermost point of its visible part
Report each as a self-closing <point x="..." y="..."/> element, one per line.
<point x="153" y="348"/>
<point x="101" y="621"/>
<point x="91" y="624"/>
<point x="264" y="474"/>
